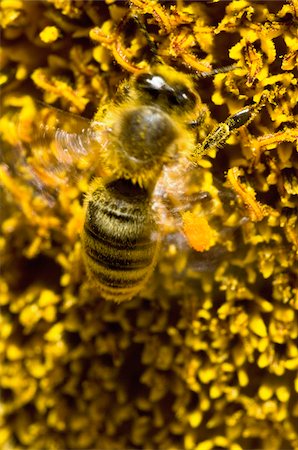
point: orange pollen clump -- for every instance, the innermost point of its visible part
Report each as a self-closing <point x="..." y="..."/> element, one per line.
<point x="198" y="232"/>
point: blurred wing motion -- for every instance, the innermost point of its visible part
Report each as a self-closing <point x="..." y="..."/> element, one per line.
<point x="45" y="146"/>
<point x="199" y="215"/>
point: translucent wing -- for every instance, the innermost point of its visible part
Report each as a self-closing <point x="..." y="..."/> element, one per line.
<point x="47" y="147"/>
<point x="199" y="216"/>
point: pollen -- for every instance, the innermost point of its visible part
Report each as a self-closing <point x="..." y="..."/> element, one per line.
<point x="49" y="34"/>
<point x="198" y="232"/>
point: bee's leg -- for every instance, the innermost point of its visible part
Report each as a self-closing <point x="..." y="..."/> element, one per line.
<point x="219" y="135"/>
<point x="199" y="120"/>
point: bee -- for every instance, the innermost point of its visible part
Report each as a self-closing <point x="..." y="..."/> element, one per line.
<point x="149" y="127"/>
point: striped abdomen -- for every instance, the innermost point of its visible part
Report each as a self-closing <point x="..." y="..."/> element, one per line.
<point x="120" y="239"/>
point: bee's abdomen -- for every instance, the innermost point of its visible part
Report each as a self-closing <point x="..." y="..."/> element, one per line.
<point x="120" y="242"/>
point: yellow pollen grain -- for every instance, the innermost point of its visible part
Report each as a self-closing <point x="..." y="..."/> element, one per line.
<point x="198" y="232"/>
<point x="49" y="34"/>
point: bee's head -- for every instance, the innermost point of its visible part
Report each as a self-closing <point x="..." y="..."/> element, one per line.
<point x="167" y="88"/>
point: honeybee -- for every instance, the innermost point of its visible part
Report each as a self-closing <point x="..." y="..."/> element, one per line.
<point x="149" y="127"/>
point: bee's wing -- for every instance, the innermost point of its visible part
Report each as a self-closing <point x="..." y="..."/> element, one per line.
<point x="198" y="214"/>
<point x="47" y="147"/>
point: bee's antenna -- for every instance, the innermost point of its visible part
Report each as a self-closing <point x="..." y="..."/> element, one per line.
<point x="213" y="72"/>
<point x="151" y="43"/>
<point x="153" y="47"/>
